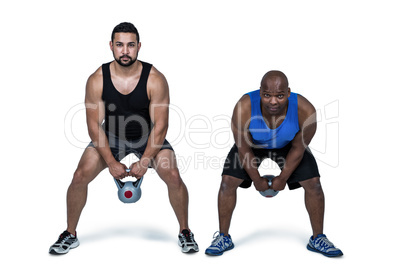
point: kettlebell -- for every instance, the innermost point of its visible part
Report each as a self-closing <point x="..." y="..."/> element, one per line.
<point x="269" y="192"/>
<point x="129" y="191"/>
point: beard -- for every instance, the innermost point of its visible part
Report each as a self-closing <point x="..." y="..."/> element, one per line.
<point x="127" y="63"/>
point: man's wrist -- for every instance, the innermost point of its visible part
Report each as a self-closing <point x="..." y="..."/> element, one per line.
<point x="111" y="162"/>
<point x="145" y="161"/>
<point x="283" y="177"/>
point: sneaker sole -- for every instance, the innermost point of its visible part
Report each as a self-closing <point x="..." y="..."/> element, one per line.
<point x="219" y="253"/>
<point x="323" y="253"/>
<point x="191" y="250"/>
<point x="74" y="245"/>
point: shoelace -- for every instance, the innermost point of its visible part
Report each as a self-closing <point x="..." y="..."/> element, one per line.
<point x="217" y="238"/>
<point x="189" y="238"/>
<point x="324" y="242"/>
<point x="63" y="237"/>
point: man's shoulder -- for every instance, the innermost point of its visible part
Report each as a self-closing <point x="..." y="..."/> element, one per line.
<point x="97" y="74"/>
<point x="95" y="80"/>
<point x="245" y="101"/>
<point x="305" y="108"/>
<point x="243" y="107"/>
<point x="156" y="79"/>
<point x="155" y="74"/>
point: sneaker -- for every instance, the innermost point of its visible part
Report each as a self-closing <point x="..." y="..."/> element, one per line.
<point x="322" y="245"/>
<point x="65" y="242"/>
<point x="220" y="244"/>
<point x="187" y="242"/>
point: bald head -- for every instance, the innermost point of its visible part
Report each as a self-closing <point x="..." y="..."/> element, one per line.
<point x="276" y="79"/>
<point x="274" y="93"/>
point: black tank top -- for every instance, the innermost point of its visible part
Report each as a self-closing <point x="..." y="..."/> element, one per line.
<point x="127" y="116"/>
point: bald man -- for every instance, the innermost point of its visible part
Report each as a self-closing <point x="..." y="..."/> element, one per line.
<point x="274" y="123"/>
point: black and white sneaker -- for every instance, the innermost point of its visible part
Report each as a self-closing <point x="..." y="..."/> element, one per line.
<point x="187" y="242"/>
<point x="65" y="242"/>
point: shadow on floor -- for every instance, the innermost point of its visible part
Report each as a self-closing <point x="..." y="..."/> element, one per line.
<point x="265" y="234"/>
<point x="141" y="232"/>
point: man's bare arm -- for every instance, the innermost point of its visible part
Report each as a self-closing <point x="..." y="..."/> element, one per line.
<point x="95" y="112"/>
<point x="159" y="113"/>
<point x="240" y="122"/>
<point x="308" y="126"/>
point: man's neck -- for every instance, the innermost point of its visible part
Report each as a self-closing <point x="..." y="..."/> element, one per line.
<point x="126" y="71"/>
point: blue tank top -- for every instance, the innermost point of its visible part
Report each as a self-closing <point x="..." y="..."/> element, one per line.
<point x="262" y="135"/>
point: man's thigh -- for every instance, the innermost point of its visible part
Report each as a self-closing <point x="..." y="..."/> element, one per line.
<point x="165" y="165"/>
<point x="90" y="164"/>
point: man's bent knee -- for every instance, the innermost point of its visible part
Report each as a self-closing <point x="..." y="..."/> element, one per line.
<point x="81" y="177"/>
<point x="172" y="178"/>
<point x="229" y="183"/>
<point x="312" y="185"/>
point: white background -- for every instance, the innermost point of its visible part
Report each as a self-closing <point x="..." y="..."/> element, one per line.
<point x="344" y="56"/>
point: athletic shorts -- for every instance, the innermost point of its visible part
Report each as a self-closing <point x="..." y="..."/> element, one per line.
<point x="121" y="148"/>
<point x="307" y="168"/>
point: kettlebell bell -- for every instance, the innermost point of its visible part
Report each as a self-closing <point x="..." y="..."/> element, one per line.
<point x="269" y="192"/>
<point x="129" y="191"/>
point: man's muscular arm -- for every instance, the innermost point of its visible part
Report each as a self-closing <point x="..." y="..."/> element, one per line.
<point x="308" y="126"/>
<point x="95" y="111"/>
<point x="158" y="91"/>
<point x="240" y="122"/>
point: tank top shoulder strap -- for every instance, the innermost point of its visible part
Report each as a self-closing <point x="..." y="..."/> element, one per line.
<point x="255" y="102"/>
<point x="107" y="80"/>
<point x="146" y="69"/>
<point x="293" y="111"/>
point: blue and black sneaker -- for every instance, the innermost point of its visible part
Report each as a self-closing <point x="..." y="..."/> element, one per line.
<point x="220" y="244"/>
<point x="322" y="245"/>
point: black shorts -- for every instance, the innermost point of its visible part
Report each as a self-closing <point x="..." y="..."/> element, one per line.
<point x="121" y="148"/>
<point x="307" y="168"/>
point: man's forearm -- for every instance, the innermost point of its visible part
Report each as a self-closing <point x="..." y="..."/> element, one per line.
<point x="292" y="161"/>
<point x="249" y="162"/>
<point x="155" y="142"/>
<point x="101" y="143"/>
